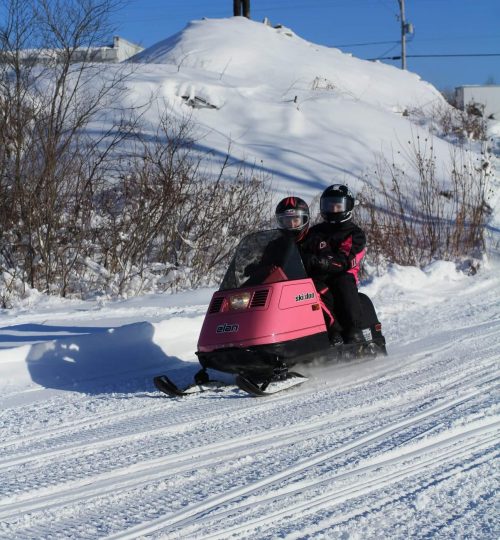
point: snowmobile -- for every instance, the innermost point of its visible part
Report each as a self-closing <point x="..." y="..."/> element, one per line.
<point x="266" y="318"/>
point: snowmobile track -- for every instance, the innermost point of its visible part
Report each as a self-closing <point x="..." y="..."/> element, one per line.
<point x="379" y="478"/>
<point x="289" y="474"/>
<point x="129" y="472"/>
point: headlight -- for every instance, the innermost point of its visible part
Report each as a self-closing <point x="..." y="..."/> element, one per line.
<point x="239" y="301"/>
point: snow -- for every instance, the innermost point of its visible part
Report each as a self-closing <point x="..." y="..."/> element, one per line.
<point x="304" y="114"/>
<point x="395" y="447"/>
<point x="403" y="446"/>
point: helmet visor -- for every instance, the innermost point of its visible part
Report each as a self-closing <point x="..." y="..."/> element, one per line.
<point x="333" y="205"/>
<point x="292" y="219"/>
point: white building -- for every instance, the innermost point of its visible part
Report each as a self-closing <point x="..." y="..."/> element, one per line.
<point x="487" y="95"/>
<point x="119" y="51"/>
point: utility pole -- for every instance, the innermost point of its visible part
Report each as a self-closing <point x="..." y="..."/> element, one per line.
<point x="241" y="7"/>
<point x="406" y="28"/>
<point x="403" y="34"/>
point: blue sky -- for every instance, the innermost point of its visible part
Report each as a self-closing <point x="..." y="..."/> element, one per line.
<point x="441" y="27"/>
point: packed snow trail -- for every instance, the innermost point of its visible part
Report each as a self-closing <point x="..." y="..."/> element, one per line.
<point x="397" y="447"/>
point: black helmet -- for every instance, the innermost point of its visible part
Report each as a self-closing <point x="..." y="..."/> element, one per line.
<point x="292" y="215"/>
<point x="336" y="204"/>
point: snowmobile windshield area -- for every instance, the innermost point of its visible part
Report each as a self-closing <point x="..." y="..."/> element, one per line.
<point x="264" y="257"/>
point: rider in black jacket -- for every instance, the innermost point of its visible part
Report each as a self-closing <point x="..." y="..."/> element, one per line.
<point x="338" y="246"/>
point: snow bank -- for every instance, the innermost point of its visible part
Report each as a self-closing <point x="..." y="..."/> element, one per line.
<point x="242" y="49"/>
<point x="410" y="278"/>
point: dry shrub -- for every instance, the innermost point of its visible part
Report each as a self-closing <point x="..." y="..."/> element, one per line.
<point x="115" y="213"/>
<point x="453" y="123"/>
<point x="156" y="217"/>
<point x="433" y="221"/>
<point x="169" y="219"/>
<point x="468" y="124"/>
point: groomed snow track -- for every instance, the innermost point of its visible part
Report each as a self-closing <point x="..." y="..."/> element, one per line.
<point x="404" y="446"/>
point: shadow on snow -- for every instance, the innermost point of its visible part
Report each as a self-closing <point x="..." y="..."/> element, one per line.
<point x="97" y="360"/>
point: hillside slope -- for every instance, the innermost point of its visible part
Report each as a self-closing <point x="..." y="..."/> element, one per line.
<point x="303" y="114"/>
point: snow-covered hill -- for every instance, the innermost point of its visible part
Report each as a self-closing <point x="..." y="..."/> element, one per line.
<point x="404" y="446"/>
<point x="304" y="114"/>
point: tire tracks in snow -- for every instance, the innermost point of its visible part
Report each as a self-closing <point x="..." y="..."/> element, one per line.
<point x="205" y="455"/>
<point x="124" y="480"/>
<point x="288" y="475"/>
<point x="179" y="418"/>
<point x="127" y="478"/>
<point x="381" y="475"/>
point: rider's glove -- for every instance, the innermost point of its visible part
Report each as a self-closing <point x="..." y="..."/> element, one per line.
<point x="326" y="264"/>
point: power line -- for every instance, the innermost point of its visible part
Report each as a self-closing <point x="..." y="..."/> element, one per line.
<point x="387" y="51"/>
<point x="449" y="38"/>
<point x="435" y="56"/>
<point x="364" y="44"/>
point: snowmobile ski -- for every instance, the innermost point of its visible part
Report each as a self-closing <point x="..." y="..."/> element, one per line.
<point x="165" y="385"/>
<point x="269" y="388"/>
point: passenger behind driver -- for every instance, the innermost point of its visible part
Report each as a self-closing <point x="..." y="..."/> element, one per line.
<point x="338" y="246"/>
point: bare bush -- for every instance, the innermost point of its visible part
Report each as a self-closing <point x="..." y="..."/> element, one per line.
<point x="436" y="220"/>
<point x="48" y="165"/>
<point x="115" y="212"/>
<point x="169" y="221"/>
<point x="153" y="216"/>
<point x="467" y="124"/>
<point x="448" y="121"/>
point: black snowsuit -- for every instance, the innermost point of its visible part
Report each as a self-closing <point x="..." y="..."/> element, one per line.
<point x="332" y="254"/>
